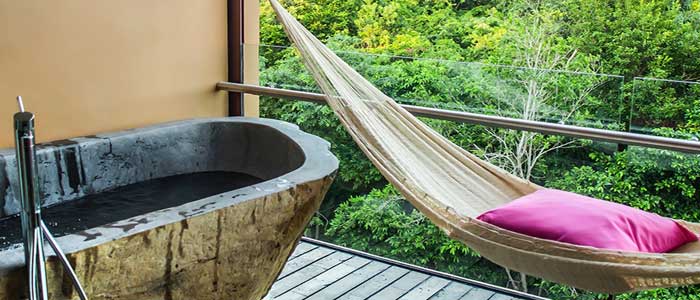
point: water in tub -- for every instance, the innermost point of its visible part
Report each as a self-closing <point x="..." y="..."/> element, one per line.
<point x="126" y="202"/>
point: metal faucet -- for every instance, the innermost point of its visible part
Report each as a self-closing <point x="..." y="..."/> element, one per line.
<point x="34" y="230"/>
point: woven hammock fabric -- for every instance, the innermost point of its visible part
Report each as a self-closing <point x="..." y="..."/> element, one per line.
<point x="452" y="186"/>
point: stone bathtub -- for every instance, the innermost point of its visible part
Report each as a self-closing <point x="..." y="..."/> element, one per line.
<point x="227" y="245"/>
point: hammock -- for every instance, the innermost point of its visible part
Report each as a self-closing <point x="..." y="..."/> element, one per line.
<point x="452" y="186"/>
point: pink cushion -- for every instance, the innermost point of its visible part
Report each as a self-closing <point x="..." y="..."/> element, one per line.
<point x="575" y="219"/>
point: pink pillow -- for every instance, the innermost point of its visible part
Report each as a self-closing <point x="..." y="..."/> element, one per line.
<point x="575" y="219"/>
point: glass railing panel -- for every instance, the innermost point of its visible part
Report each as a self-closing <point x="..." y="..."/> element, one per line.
<point x="585" y="99"/>
<point x="661" y="181"/>
<point x="280" y="67"/>
<point x="665" y="107"/>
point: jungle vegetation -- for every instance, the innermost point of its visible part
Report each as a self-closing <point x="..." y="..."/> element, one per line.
<point x="628" y="65"/>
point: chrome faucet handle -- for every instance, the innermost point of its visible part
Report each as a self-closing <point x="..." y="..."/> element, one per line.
<point x="20" y="103"/>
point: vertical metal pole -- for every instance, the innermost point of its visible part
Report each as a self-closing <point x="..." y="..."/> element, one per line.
<point x="235" y="55"/>
<point x="33" y="228"/>
<point x="31" y="203"/>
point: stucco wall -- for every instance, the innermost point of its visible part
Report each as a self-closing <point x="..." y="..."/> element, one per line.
<point x="251" y="40"/>
<point x="87" y="66"/>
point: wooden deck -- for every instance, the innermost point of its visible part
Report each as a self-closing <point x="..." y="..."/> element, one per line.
<point x="319" y="270"/>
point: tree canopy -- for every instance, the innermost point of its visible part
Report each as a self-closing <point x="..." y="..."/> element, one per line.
<point x="624" y="65"/>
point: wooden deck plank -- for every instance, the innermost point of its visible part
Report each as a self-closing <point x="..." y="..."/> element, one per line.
<point x="400" y="287"/>
<point x="293" y="280"/>
<point x="478" y="294"/>
<point x="318" y="272"/>
<point x="426" y="289"/>
<point x="291" y="295"/>
<point x="388" y="293"/>
<point x="502" y="297"/>
<point x="304" y="260"/>
<point x="356" y="262"/>
<point x="350" y="281"/>
<point x="375" y="284"/>
<point x="326" y="278"/>
<point x="452" y="291"/>
<point x="353" y="297"/>
<point x="307" y="273"/>
<point x="300" y="249"/>
<point x="333" y="259"/>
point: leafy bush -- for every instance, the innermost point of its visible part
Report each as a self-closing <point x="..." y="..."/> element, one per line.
<point x="633" y="38"/>
<point x="659" y="181"/>
<point x="383" y="223"/>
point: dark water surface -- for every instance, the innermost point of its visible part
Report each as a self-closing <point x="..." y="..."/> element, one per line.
<point x="126" y="202"/>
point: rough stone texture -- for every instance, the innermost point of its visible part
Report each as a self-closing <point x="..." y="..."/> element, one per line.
<point x="230" y="253"/>
<point x="73" y="168"/>
<point x="228" y="246"/>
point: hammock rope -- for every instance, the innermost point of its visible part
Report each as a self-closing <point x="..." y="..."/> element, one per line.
<point x="452" y="186"/>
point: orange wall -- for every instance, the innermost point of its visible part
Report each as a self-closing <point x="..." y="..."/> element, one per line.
<point x="86" y="66"/>
<point x="251" y="40"/>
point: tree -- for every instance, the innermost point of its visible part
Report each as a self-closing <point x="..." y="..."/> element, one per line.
<point x="515" y="44"/>
<point x="534" y="88"/>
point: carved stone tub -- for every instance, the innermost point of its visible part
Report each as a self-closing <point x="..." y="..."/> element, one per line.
<point x="230" y="245"/>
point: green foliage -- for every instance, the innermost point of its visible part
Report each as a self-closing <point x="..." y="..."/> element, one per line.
<point x="356" y="173"/>
<point x="561" y="292"/>
<point x="316" y="226"/>
<point x="632" y="38"/>
<point x="324" y="18"/>
<point x="636" y="37"/>
<point x="659" y="181"/>
<point x="383" y="223"/>
<point x="660" y="103"/>
<point x="681" y="293"/>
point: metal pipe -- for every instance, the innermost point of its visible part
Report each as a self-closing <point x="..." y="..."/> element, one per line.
<point x="31" y="272"/>
<point x="20" y="103"/>
<point x="618" y="137"/>
<point x="33" y="228"/>
<point x="39" y="269"/>
<point x="64" y="261"/>
<point x="31" y="203"/>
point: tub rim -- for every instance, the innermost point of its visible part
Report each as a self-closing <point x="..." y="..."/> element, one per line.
<point x="318" y="163"/>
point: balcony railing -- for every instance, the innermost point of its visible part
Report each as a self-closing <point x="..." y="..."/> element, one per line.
<point x="584" y="119"/>
<point x="618" y="137"/>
